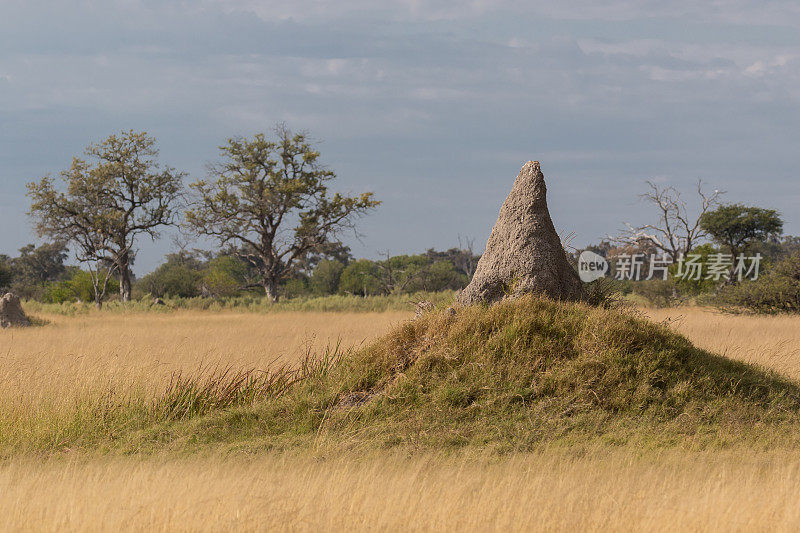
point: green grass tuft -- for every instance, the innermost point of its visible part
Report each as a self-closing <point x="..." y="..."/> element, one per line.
<point x="214" y="389"/>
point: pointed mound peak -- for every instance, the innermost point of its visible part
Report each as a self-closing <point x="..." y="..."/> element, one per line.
<point x="524" y="253"/>
<point x="531" y="179"/>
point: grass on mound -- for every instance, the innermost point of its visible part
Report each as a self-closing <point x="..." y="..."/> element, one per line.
<point x="515" y="376"/>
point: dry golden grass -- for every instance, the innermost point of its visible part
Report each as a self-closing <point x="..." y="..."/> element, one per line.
<point x="76" y="356"/>
<point x="551" y="491"/>
<point x="769" y="341"/>
<point x="554" y="490"/>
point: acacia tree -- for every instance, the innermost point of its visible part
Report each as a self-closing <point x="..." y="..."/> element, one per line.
<point x="270" y="200"/>
<point x="736" y="226"/>
<point x="116" y="194"/>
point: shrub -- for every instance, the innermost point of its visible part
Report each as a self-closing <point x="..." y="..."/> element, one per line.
<point x="362" y="278"/>
<point x="77" y="288"/>
<point x="294" y="288"/>
<point x="172" y="280"/>
<point x="225" y="276"/>
<point x="325" y="279"/>
<point x="439" y="276"/>
<point x="57" y="293"/>
<point x="657" y="292"/>
<point x="605" y="293"/>
<point x="179" y="276"/>
<point x="695" y="287"/>
<point x="778" y="290"/>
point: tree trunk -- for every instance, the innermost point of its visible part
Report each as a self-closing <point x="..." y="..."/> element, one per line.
<point x="125" y="284"/>
<point x="271" y="290"/>
<point x="96" y="284"/>
<point x="122" y="261"/>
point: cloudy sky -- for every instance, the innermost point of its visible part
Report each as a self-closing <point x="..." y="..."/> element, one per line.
<point x="433" y="105"/>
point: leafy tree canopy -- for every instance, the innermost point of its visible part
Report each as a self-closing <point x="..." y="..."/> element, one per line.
<point x="270" y="200"/>
<point x="105" y="201"/>
<point x="736" y="226"/>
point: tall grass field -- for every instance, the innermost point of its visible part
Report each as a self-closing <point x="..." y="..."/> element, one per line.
<point x="310" y="420"/>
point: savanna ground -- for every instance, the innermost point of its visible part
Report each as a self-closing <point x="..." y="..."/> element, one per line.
<point x="46" y="372"/>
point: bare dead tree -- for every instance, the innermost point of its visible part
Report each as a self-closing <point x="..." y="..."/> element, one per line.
<point x="468" y="260"/>
<point x="394" y="275"/>
<point x="678" y="230"/>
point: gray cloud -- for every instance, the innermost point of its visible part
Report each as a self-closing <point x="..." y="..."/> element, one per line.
<point x="433" y="106"/>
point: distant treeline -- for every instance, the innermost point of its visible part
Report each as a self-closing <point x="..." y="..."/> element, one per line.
<point x="40" y="273"/>
<point x="268" y="207"/>
<point x="776" y="289"/>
